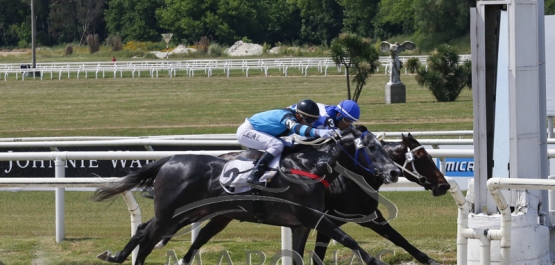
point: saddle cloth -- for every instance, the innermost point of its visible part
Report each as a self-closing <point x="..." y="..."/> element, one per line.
<point x="235" y="172"/>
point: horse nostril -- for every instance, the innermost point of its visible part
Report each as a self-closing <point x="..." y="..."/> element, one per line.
<point x="395" y="173"/>
<point x="444" y="186"/>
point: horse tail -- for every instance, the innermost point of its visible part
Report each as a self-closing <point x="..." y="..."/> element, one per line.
<point x="143" y="177"/>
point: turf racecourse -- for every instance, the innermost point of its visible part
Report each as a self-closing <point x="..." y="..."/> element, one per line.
<point x="184" y="105"/>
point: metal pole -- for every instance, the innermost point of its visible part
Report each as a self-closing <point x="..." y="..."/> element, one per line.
<point x="550" y="126"/>
<point x="59" y="166"/>
<point x="167" y="54"/>
<point x="33" y="33"/>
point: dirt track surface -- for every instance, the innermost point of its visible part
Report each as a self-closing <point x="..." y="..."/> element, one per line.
<point x="14" y="52"/>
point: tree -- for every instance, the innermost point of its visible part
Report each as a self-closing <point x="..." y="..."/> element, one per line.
<point x="89" y="16"/>
<point x="440" y="21"/>
<point x="74" y="20"/>
<point x="283" y="21"/>
<point x="355" y="52"/>
<point x="395" y="17"/>
<point x="445" y="77"/>
<point x="134" y="19"/>
<point x="359" y="16"/>
<point x="321" y="20"/>
<point x="549" y="7"/>
<point x="222" y="21"/>
<point x="12" y="22"/>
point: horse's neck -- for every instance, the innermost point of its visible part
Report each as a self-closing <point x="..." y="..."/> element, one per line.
<point x="396" y="150"/>
<point x="316" y="159"/>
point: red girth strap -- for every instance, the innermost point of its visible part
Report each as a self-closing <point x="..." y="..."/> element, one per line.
<point x="310" y="175"/>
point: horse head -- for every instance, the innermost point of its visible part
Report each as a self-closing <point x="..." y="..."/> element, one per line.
<point x="364" y="154"/>
<point x="419" y="166"/>
<point x="351" y="149"/>
<point x="415" y="162"/>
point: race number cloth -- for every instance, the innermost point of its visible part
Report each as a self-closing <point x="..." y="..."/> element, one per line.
<point x="235" y="173"/>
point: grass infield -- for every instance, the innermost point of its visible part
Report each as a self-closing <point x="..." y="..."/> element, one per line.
<point x="197" y="105"/>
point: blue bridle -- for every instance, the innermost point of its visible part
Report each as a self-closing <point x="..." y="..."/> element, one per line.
<point x="360" y="145"/>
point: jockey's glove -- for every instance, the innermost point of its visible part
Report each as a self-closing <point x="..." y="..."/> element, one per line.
<point x="325" y="133"/>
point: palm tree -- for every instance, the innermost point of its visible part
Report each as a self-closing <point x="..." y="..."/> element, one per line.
<point x="355" y="52"/>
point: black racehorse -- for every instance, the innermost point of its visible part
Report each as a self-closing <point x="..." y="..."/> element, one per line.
<point x="346" y="196"/>
<point x="187" y="189"/>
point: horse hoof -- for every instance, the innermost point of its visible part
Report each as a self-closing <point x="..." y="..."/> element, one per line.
<point x="105" y="256"/>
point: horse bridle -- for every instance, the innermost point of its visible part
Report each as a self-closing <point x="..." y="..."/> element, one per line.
<point x="409" y="158"/>
<point x="359" y="144"/>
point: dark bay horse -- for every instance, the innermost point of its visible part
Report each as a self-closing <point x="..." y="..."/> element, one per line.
<point x="187" y="189"/>
<point x="345" y="196"/>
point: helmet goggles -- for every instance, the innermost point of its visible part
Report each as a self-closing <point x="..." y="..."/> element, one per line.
<point x="307" y="119"/>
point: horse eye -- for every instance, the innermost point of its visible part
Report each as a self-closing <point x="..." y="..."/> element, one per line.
<point x="372" y="148"/>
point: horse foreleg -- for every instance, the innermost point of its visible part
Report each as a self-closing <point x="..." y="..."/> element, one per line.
<point x="300" y="235"/>
<point x="328" y="228"/>
<point x="322" y="242"/>
<point x="212" y="228"/>
<point x="121" y="256"/>
<point x="392" y="235"/>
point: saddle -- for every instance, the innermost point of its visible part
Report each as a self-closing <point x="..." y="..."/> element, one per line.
<point x="235" y="172"/>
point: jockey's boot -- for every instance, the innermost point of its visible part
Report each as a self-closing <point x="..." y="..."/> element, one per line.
<point x="259" y="168"/>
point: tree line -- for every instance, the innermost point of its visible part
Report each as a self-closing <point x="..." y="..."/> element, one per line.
<point x="295" y="22"/>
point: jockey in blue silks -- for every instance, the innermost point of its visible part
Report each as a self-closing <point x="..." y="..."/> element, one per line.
<point x="262" y="132"/>
<point x="341" y="116"/>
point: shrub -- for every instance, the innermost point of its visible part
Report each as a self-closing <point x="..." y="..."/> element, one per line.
<point x="69" y="49"/>
<point x="203" y="44"/>
<point x="445" y="77"/>
<point x="115" y="43"/>
<point x="216" y="49"/>
<point x="413" y="64"/>
<point x="93" y="42"/>
<point x="149" y="55"/>
<point x="266" y="47"/>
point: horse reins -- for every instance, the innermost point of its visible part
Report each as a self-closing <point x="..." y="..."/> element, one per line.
<point x="359" y="145"/>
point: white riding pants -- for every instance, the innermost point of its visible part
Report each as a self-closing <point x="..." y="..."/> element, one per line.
<point x="249" y="137"/>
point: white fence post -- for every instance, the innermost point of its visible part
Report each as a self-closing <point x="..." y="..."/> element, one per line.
<point x="60" y="172"/>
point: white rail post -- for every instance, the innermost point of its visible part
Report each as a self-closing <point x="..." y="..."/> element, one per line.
<point x="286" y="244"/>
<point x="59" y="167"/>
<point x="136" y="218"/>
<point x="195" y="228"/>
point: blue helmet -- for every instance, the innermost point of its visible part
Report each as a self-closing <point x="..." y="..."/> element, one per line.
<point x="348" y="109"/>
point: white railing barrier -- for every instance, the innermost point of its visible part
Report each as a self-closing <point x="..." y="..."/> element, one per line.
<point x="186" y="65"/>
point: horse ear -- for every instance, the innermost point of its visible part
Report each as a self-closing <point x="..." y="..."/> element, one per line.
<point x="361" y="128"/>
<point x="410" y="136"/>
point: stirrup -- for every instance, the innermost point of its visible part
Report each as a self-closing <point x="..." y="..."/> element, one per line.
<point x="255" y="182"/>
